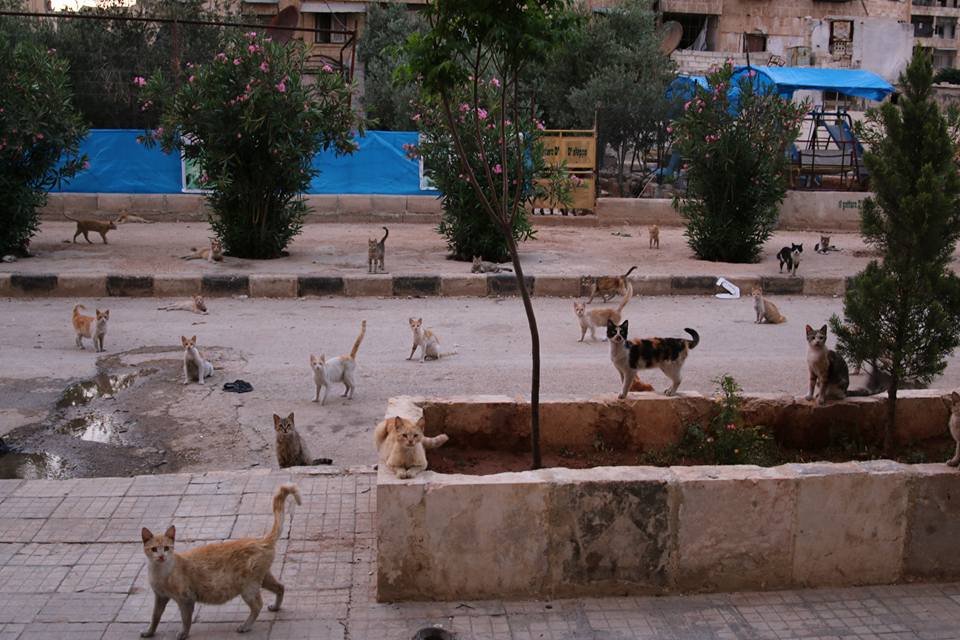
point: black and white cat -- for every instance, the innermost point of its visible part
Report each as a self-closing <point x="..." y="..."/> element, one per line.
<point x="631" y="356"/>
<point x="790" y="256"/>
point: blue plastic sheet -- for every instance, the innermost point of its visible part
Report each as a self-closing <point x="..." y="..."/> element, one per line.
<point x="119" y="164"/>
<point x="787" y="80"/>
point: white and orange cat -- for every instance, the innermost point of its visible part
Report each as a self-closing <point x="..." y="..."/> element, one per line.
<point x="93" y="327"/>
<point x="766" y="311"/>
<point x="338" y="369"/>
<point x="401" y="446"/>
<point x="597" y="318"/>
<point x="194" y="366"/>
<point x="214" y="573"/>
<point x="424" y="339"/>
<point x="213" y="253"/>
<point x="196" y="304"/>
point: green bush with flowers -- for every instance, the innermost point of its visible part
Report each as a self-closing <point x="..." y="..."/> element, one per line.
<point x="40" y="135"/>
<point x="737" y="166"/>
<point x="252" y="125"/>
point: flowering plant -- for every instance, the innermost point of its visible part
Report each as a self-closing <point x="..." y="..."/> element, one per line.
<point x="40" y="134"/>
<point x="253" y="126"/>
<point x="736" y="152"/>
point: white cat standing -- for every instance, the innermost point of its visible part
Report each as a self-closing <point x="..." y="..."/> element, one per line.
<point x="339" y="369"/>
<point x="194" y="366"/>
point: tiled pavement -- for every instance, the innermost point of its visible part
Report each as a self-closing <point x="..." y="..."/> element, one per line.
<point x="71" y="568"/>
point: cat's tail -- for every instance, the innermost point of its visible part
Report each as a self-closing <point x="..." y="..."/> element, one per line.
<point x="76" y="309"/>
<point x="630" y="271"/>
<point x="356" y="345"/>
<point x="861" y="393"/>
<point x="386" y="233"/>
<point x="278" y="499"/>
<point x="434" y="442"/>
<point x="626" y="296"/>
<point x="69" y="218"/>
<point x="317" y="461"/>
<point x="506" y="269"/>
<point x="692" y="344"/>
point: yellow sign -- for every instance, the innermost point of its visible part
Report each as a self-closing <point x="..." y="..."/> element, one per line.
<point x="577" y="148"/>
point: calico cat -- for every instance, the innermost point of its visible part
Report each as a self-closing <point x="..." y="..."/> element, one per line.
<point x="790" y="256"/>
<point x="631" y="356"/>
<point x="196" y="304"/>
<point x="829" y="375"/>
<point x="376" y="252"/>
<point x="291" y="449"/>
<point x="766" y="310"/>
<point x="609" y="286"/>
<point x="194" y="366"/>
<point x="401" y="446"/>
<point x="129" y="217"/>
<point x="213" y="253"/>
<point x="590" y="320"/>
<point x="339" y="369"/>
<point x="90" y="327"/>
<point x="86" y="226"/>
<point x="425" y="339"/>
<point x="214" y="573"/>
<point x="654" y="236"/>
<point x="954" y="425"/>
<point x="482" y="266"/>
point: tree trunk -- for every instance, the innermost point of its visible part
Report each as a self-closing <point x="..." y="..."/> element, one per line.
<point x="534" y="352"/>
<point x="889" y="431"/>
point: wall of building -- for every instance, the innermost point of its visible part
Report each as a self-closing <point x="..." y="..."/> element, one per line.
<point x="879" y="45"/>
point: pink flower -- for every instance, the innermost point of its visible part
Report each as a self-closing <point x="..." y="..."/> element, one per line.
<point x="39" y="136"/>
<point x="251" y="34"/>
<point x="464" y="107"/>
<point x="86" y="164"/>
<point x="236" y="61"/>
<point x="204" y="179"/>
<point x="495" y="83"/>
<point x="251" y="48"/>
<point x="222" y="57"/>
<point x="281" y="87"/>
<point x="731" y="427"/>
<point x="751" y="73"/>
<point x="190" y="79"/>
<point x="497" y="169"/>
<point x="264" y="66"/>
<point x="540" y="127"/>
<point x="139" y="81"/>
<point x="239" y="136"/>
<point x="686" y="105"/>
<point x="669" y="129"/>
<point x="482" y="113"/>
<point x="326" y="68"/>
<point x="189" y="65"/>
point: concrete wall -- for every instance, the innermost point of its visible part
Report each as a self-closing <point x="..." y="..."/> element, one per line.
<point x="880" y="45"/>
<point x="615" y="531"/>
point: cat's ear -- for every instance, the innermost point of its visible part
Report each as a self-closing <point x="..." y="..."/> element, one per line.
<point x="193" y="339"/>
<point x="955" y="397"/>
<point x="183" y="340"/>
<point x="322" y="359"/>
<point x="106" y="314"/>
<point x="276" y="422"/>
<point x="146" y="535"/>
<point x="823" y="330"/>
<point x="171" y="532"/>
<point x="290" y="417"/>
<point x="313" y="359"/>
<point x="624" y="325"/>
<point x="421" y="423"/>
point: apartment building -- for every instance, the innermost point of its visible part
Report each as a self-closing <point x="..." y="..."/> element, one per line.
<point x="935" y="28"/>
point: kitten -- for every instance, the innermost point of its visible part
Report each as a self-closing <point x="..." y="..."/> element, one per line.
<point x="640" y="385"/>
<point x="954" y="426"/>
<point x="482" y="266"/>
<point x="194" y="366"/>
<point x="425" y="339"/>
<point x="599" y="317"/>
<point x="766" y="310"/>
<point x="213" y="253"/>
<point x="214" y="573"/>
<point x="86" y="226"/>
<point x="291" y="449"/>
<point x="90" y="327"/>
<point x="376" y="252"/>
<point x="339" y="369"/>
<point x="654" y="236"/>
<point x="402" y="446"/>
<point x="824" y="245"/>
<point x="631" y="356"/>
<point x="878" y="380"/>
<point x="790" y="256"/>
<point x="827" y="368"/>
<point x="128" y="217"/>
<point x="609" y="286"/>
<point x="196" y="304"/>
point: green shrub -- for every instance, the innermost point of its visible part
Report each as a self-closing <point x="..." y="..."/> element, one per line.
<point x="737" y="167"/>
<point x="255" y="127"/>
<point x="947" y="75"/>
<point x="40" y="134"/>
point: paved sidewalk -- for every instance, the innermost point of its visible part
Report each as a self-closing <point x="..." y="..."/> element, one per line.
<point x="71" y="566"/>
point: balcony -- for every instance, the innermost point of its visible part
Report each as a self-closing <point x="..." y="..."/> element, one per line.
<point x="702" y="7"/>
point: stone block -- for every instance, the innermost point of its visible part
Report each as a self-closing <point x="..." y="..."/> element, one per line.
<point x="149" y="205"/>
<point x="170" y="285"/>
<point x="382" y="204"/>
<point x="651" y="285"/>
<point x="82" y="285"/>
<point x="472" y="285"/>
<point x="111" y="204"/>
<point x="421" y="218"/>
<point x="319" y="286"/>
<point x="372" y="285"/>
<point x="823" y="286"/>
<point x="746" y="284"/>
<point x="129" y="286"/>
<point x="416" y="285"/>
<point x="693" y="285"/>
<point x="424" y="204"/>
<point x="782" y="286"/>
<point x="79" y="203"/>
<point x="933" y="524"/>
<point x="735" y="528"/>
<point x="33" y="284"/>
<point x="850" y="523"/>
<point x="559" y="286"/>
<point x="355" y="204"/>
<point x="505" y="284"/>
<point x="225" y="285"/>
<point x="185" y="206"/>
<point x="264" y="285"/>
<point x="5" y="287"/>
<point x="323" y="205"/>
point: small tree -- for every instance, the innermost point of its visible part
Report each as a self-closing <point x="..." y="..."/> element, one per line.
<point x="737" y="166"/>
<point x="253" y="127"/>
<point x="902" y="313"/>
<point x="40" y="134"/>
<point x="468" y="41"/>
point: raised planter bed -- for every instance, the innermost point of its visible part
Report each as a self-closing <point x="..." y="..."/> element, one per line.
<point x="643" y="530"/>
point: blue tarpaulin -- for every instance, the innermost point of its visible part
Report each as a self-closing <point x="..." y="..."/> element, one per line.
<point x="119" y="164"/>
<point x="787" y="80"/>
<point x="684" y="87"/>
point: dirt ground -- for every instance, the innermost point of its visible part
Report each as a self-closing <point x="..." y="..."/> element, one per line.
<point x="120" y="425"/>
<point x="341" y="249"/>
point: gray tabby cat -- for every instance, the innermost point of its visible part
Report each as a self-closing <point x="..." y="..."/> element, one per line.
<point x="482" y="266"/>
<point x="291" y="449"/>
<point x="376" y="252"/>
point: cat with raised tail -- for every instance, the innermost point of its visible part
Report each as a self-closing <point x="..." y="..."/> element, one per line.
<point x="766" y="311"/>
<point x="86" y="226"/>
<point x="630" y="357"/>
<point x="214" y="573"/>
<point x="597" y="318"/>
<point x="93" y="327"/>
<point x="338" y="369"/>
<point x="401" y="446"/>
<point x="609" y="286"/>
<point x="194" y="365"/>
<point x="376" y="252"/>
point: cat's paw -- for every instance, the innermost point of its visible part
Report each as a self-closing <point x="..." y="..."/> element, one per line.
<point x="809" y="396"/>
<point x="183" y="635"/>
<point x="146" y="634"/>
<point x="668" y="392"/>
<point x="403" y="474"/>
<point x="244" y="628"/>
<point x="953" y="462"/>
<point x="273" y="608"/>
<point x="622" y="396"/>
<point x="186" y="382"/>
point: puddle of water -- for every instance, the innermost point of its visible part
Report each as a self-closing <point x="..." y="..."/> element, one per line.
<point x="101" y="386"/>
<point x="32" y="466"/>
<point x="96" y="427"/>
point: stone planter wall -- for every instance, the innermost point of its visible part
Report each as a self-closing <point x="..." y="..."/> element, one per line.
<point x="646" y="530"/>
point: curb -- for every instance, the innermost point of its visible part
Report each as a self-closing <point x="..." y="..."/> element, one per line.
<point x="93" y="285"/>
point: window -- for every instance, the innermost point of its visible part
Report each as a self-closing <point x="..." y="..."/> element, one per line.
<point x="331" y="22"/>
<point x="754" y="42"/>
